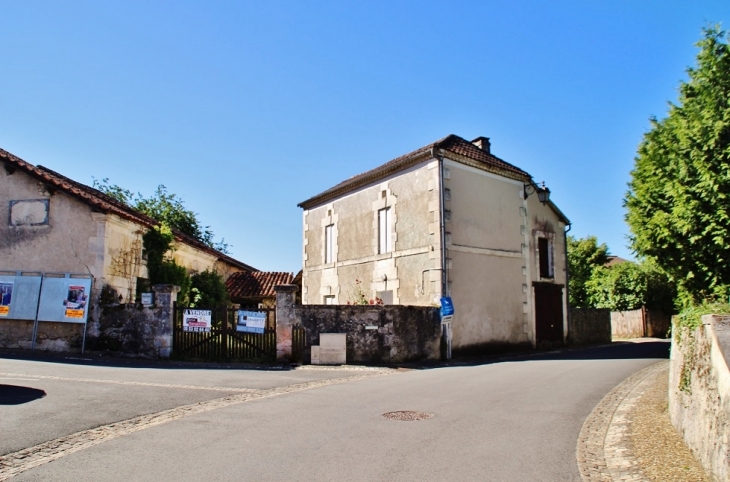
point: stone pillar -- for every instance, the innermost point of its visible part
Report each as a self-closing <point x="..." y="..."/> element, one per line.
<point x="165" y="296"/>
<point x="285" y="320"/>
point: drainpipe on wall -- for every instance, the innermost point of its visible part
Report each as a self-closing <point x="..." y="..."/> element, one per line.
<point x="442" y="226"/>
<point x="446" y="332"/>
<point x="567" y="279"/>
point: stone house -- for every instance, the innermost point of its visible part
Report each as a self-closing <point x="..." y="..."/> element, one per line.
<point x="51" y="223"/>
<point x="448" y="219"/>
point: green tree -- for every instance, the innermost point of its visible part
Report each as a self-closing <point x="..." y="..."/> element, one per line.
<point x="584" y="255"/>
<point x="629" y="286"/>
<point x="166" y="208"/>
<point x="157" y="243"/>
<point x="209" y="289"/>
<point x="678" y="203"/>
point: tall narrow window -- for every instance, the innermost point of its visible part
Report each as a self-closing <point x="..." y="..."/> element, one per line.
<point x="328" y="243"/>
<point x="384" y="233"/>
<point x="545" y="253"/>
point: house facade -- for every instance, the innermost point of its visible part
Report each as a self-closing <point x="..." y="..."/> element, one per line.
<point x="50" y="223"/>
<point x="449" y="219"/>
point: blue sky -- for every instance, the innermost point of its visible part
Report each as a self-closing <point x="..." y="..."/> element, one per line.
<point x="245" y="109"/>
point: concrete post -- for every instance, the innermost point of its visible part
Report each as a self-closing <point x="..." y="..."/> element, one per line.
<point x="165" y="296"/>
<point x="284" y="320"/>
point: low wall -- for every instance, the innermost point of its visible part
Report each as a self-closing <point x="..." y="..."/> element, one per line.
<point x="18" y="334"/>
<point x="124" y="329"/>
<point x="375" y="334"/>
<point x="589" y="325"/>
<point x="699" y="392"/>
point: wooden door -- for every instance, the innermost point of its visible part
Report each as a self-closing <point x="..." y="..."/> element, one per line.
<point x="548" y="313"/>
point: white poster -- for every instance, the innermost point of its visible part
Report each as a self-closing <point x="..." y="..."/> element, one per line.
<point x="196" y="320"/>
<point x="251" y="321"/>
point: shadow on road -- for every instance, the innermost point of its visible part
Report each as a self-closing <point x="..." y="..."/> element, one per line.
<point x="15" y="395"/>
<point x="620" y="350"/>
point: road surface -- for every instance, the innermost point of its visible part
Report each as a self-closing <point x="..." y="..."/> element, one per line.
<point x="507" y="420"/>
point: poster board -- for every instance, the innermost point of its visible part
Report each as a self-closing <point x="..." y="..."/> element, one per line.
<point x="19" y="296"/>
<point x="196" y="320"/>
<point x="251" y="321"/>
<point x="64" y="299"/>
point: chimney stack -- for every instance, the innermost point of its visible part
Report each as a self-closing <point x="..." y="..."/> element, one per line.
<point x="483" y="144"/>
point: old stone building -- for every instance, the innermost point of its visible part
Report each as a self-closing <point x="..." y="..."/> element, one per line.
<point x="448" y="219"/>
<point x="50" y="223"/>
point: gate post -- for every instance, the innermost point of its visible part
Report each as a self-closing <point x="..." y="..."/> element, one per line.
<point x="165" y="296"/>
<point x="285" y="319"/>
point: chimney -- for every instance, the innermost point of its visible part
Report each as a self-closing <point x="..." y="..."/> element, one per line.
<point x="482" y="143"/>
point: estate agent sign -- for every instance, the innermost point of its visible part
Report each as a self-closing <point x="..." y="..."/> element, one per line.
<point x="251" y="321"/>
<point x="196" y="320"/>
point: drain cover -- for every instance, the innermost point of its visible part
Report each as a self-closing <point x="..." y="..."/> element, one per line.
<point x="407" y="415"/>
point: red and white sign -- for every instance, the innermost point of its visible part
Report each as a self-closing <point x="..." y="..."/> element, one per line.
<point x="196" y="320"/>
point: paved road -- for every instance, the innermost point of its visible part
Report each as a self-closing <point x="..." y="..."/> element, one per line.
<point x="512" y="420"/>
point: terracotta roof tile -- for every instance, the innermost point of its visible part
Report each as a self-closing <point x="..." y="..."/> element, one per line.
<point x="103" y="203"/>
<point x="451" y="143"/>
<point x="256" y="284"/>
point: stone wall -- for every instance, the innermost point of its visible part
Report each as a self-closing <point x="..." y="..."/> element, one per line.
<point x="125" y="329"/>
<point x="589" y="325"/>
<point x="375" y="334"/>
<point x="18" y="334"/>
<point x="699" y="392"/>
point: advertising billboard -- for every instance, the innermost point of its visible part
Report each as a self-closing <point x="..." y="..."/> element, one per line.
<point x="64" y="299"/>
<point x="19" y="295"/>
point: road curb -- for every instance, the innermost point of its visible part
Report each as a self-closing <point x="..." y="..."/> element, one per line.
<point x="604" y="451"/>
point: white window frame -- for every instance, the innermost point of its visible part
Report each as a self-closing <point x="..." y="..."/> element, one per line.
<point x="385" y="234"/>
<point x="329" y="300"/>
<point x="329" y="244"/>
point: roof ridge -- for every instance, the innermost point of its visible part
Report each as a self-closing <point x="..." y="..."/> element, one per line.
<point x="105" y="203"/>
<point x="468" y="150"/>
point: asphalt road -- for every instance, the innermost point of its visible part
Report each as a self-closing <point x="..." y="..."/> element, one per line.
<point x="509" y="420"/>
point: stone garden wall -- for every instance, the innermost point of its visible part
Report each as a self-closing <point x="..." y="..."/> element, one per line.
<point x="128" y="329"/>
<point x="588" y="326"/>
<point x="699" y="392"/>
<point x="375" y="334"/>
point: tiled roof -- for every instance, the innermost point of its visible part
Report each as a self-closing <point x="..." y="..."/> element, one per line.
<point x="101" y="202"/>
<point x="256" y="284"/>
<point x="461" y="148"/>
<point x="614" y="260"/>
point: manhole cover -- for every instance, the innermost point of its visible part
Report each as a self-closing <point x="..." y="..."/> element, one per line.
<point x="407" y="415"/>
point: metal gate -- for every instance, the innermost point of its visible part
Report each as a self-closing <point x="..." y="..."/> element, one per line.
<point x="223" y="340"/>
